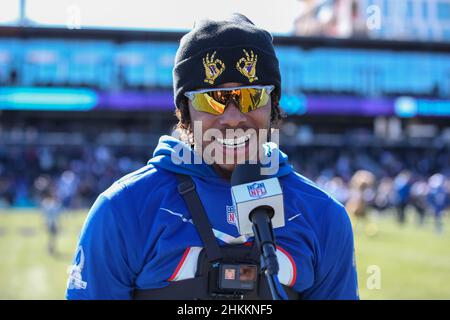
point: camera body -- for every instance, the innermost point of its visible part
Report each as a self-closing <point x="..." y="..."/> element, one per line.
<point x="236" y="276"/>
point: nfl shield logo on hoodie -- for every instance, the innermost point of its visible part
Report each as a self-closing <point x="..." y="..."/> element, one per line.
<point x="231" y="215"/>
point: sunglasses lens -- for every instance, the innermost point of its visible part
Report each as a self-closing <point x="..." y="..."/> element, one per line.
<point x="252" y="99"/>
<point x="206" y="103"/>
<point x="214" y="102"/>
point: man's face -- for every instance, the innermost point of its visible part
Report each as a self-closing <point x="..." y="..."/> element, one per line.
<point x="226" y="156"/>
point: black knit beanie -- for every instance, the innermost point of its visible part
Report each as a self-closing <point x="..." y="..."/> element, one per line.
<point x="232" y="50"/>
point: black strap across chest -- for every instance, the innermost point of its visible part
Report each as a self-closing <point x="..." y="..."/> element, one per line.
<point x="186" y="188"/>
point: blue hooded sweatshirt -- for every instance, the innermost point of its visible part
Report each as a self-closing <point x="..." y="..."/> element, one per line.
<point x="139" y="233"/>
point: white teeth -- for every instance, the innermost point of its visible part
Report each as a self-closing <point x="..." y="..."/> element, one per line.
<point x="236" y="142"/>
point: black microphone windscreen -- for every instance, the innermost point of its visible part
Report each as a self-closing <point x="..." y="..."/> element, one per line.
<point x="246" y="173"/>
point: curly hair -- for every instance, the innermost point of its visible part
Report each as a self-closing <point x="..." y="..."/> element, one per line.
<point x="184" y="118"/>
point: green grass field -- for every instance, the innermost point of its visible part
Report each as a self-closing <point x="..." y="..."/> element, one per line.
<point x="395" y="263"/>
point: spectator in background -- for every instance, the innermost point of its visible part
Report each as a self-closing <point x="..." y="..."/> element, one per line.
<point x="338" y="189"/>
<point x="52" y="209"/>
<point x="419" y="192"/>
<point x="402" y="188"/>
<point x="46" y="196"/>
<point x="384" y="198"/>
<point x="66" y="188"/>
<point x="360" y="197"/>
<point x="438" y="199"/>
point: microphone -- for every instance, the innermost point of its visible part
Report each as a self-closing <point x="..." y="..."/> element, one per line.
<point x="253" y="192"/>
<point x="258" y="202"/>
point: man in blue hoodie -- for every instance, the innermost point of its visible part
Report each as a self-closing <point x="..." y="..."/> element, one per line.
<point x="140" y="236"/>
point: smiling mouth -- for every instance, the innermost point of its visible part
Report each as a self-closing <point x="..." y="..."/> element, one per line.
<point x="235" y="142"/>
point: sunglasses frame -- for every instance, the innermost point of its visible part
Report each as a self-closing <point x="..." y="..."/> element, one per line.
<point x="190" y="94"/>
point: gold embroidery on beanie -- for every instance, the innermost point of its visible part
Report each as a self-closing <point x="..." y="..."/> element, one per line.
<point x="247" y="66"/>
<point x="213" y="68"/>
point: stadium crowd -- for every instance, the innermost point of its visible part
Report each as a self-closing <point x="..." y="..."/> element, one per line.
<point x="359" y="177"/>
<point x="75" y="174"/>
<point x="382" y="179"/>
